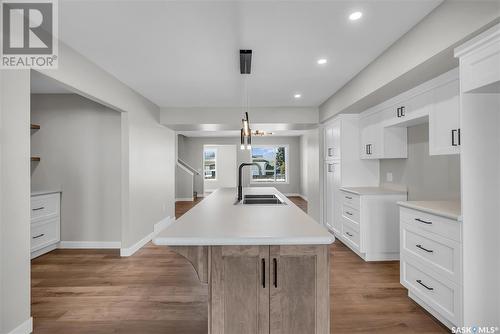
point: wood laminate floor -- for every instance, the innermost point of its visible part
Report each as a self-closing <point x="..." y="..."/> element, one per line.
<point x="157" y="291"/>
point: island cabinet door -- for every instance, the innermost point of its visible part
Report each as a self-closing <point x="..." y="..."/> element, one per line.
<point x="299" y="295"/>
<point x="239" y="290"/>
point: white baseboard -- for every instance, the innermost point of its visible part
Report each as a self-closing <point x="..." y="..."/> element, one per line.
<point x="24" y="328"/>
<point x="157" y="228"/>
<point x="44" y="250"/>
<point x="90" y="244"/>
<point x="292" y="194"/>
<point x="184" y="199"/>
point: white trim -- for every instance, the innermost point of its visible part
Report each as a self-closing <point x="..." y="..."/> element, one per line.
<point x="481" y="40"/>
<point x="24" y="328"/>
<point x="287" y="164"/>
<point x="89" y="244"/>
<point x="157" y="228"/>
<point x="162" y="224"/>
<point x="292" y="194"/>
<point x="44" y="250"/>
<point x="184" y="168"/>
<point x="185" y="199"/>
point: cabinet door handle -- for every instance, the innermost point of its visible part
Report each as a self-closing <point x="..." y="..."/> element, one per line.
<point x="423" y="221"/>
<point x="275" y="269"/>
<point x="425" y="286"/>
<point x="424" y="249"/>
<point x="38" y="236"/>
<point x="330" y="168"/>
<point x="453" y="137"/>
<point x="402" y="111"/>
<point x="349" y="213"/>
<point x="369" y="149"/>
<point x="37" y="209"/>
<point x="459" y="137"/>
<point x="330" y="151"/>
<point x="349" y="234"/>
<point x="348" y="197"/>
<point x="398" y="112"/>
<point x="264" y="273"/>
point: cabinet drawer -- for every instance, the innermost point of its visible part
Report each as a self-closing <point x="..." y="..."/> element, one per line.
<point x="350" y="213"/>
<point x="441" y="254"/>
<point x="44" y="233"/>
<point x="350" y="200"/>
<point x="350" y="234"/>
<point x="44" y="206"/>
<point x="438" y="293"/>
<point x="447" y="228"/>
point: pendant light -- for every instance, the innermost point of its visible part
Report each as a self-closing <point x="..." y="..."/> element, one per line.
<point x="246" y="132"/>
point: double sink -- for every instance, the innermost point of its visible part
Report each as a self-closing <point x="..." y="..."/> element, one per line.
<point x="262" y="199"/>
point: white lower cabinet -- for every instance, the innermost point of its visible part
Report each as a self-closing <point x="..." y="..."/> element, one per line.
<point x="370" y="224"/>
<point x="45" y="223"/>
<point x="431" y="263"/>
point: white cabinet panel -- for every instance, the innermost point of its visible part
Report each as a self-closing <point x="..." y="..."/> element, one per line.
<point x="332" y="141"/>
<point x="444" y="120"/>
<point x="332" y="196"/>
<point x="371" y="136"/>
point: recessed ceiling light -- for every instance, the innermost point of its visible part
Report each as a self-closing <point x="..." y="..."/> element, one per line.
<point x="355" y="16"/>
<point x="322" y="61"/>
<point x="297" y="96"/>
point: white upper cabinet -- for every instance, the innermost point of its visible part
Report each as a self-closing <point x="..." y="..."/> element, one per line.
<point x="380" y="142"/>
<point x="410" y="111"/>
<point x="444" y="120"/>
<point x="332" y="141"/>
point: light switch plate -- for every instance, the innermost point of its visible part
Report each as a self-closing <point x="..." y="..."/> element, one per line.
<point x="388" y="177"/>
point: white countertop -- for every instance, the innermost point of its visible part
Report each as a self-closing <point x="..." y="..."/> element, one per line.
<point x="44" y="192"/>
<point x="448" y="209"/>
<point x="372" y="191"/>
<point x="217" y="220"/>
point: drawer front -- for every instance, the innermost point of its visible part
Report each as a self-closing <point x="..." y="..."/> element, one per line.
<point x="44" y="233"/>
<point x="350" y="234"/>
<point x="444" y="227"/>
<point x="441" y="254"/>
<point x="350" y="213"/>
<point x="44" y="206"/>
<point x="443" y="296"/>
<point x="350" y="200"/>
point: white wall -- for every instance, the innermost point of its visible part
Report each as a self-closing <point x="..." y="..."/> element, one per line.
<point x="191" y="149"/>
<point x="226" y="169"/>
<point x="314" y="171"/>
<point x="15" y="199"/>
<point x="427" y="48"/>
<point x="80" y="148"/>
<point x="426" y="177"/>
<point x="148" y="148"/>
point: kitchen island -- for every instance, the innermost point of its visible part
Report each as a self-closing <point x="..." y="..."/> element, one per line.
<point x="267" y="265"/>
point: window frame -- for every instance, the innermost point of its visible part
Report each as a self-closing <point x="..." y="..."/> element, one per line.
<point x="215" y="160"/>
<point x="287" y="164"/>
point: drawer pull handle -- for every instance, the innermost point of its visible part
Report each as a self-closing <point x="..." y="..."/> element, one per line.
<point x="349" y="213"/>
<point x="38" y="236"/>
<point x="348" y="197"/>
<point x="425" y="249"/>
<point x="425" y="286"/>
<point x="36" y="209"/>
<point x="423" y="221"/>
<point x="330" y="152"/>
<point x="349" y="234"/>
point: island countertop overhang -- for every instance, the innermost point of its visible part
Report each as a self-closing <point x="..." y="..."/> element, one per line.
<point x="218" y="221"/>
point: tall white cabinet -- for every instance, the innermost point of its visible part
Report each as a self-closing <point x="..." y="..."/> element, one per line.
<point x="343" y="167"/>
<point x="480" y="177"/>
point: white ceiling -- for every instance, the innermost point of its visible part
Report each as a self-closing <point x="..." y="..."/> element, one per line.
<point x="185" y="53"/>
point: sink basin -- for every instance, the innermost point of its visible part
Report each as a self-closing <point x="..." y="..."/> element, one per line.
<point x="262" y="199"/>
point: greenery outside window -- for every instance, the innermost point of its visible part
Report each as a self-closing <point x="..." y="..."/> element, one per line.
<point x="273" y="162"/>
<point x="210" y="163"/>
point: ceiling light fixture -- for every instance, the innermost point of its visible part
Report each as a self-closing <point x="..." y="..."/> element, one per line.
<point x="322" y="61"/>
<point x="355" y="16"/>
<point x="297" y="96"/>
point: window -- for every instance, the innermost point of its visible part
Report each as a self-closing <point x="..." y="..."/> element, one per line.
<point x="210" y="163"/>
<point x="273" y="162"/>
